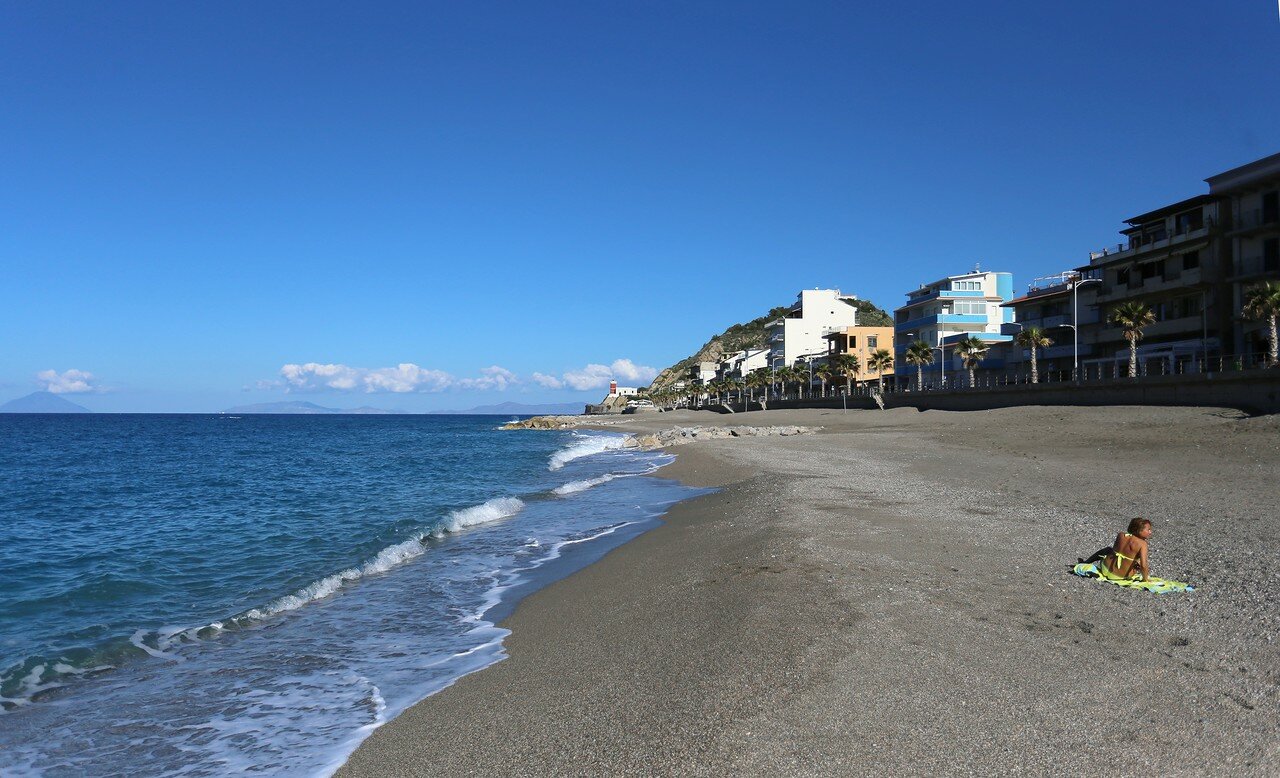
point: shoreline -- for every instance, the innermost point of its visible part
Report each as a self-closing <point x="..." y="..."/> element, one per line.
<point x="827" y="611"/>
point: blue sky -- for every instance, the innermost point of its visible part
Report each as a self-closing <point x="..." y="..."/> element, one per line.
<point x="193" y="198"/>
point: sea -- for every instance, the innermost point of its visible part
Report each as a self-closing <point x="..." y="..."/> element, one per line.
<point x="204" y="594"/>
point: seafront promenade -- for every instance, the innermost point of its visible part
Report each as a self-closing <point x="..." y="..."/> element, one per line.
<point x="892" y="595"/>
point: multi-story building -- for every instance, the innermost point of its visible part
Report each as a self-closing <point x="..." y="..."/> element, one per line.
<point x="703" y="372"/>
<point x="1058" y="305"/>
<point x="862" y="342"/>
<point x="1174" y="261"/>
<point x="1252" y="195"/>
<point x="801" y="333"/>
<point x="743" y="363"/>
<point x="945" y="311"/>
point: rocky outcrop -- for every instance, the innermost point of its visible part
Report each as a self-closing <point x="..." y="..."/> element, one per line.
<point x="542" y="423"/>
<point x="555" y="423"/>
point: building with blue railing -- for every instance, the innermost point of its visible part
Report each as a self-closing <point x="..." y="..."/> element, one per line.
<point x="946" y="311"/>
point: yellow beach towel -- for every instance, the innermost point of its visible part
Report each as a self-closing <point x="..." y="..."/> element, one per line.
<point x="1100" y="572"/>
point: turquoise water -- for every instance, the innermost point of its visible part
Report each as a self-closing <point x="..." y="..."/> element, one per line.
<point x="201" y="594"/>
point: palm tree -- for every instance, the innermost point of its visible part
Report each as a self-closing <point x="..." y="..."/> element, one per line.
<point x="1034" y="339"/>
<point x="972" y="351"/>
<point x="1133" y="317"/>
<point x="848" y="366"/>
<point x="1263" y="302"/>
<point x="825" y="372"/>
<point x="919" y="353"/>
<point x="757" y="379"/>
<point x="715" y="386"/>
<point x="880" y="361"/>
<point x="791" y="374"/>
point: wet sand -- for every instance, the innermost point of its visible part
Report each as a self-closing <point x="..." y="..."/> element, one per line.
<point x="893" y="595"/>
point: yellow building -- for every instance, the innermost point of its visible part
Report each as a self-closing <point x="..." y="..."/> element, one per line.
<point x="862" y="342"/>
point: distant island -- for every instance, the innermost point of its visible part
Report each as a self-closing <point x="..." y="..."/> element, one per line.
<point x="521" y="409"/>
<point x="42" y="402"/>
<point x="299" y="407"/>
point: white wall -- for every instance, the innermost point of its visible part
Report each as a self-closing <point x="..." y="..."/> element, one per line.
<point x="822" y="311"/>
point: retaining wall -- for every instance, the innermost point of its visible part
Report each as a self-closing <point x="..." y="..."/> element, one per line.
<point x="1254" y="391"/>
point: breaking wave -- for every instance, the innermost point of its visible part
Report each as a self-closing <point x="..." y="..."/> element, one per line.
<point x="585" y="446"/>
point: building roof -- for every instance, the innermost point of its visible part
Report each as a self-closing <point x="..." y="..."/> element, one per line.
<point x="1038" y="294"/>
<point x="1182" y="205"/>
<point x="1245" y="175"/>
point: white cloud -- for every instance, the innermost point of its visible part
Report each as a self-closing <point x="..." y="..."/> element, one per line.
<point x="595" y="376"/>
<point x="493" y="377"/>
<point x="69" y="382"/>
<point x="589" y="377"/>
<point x="549" y="381"/>
<point x="406" y="377"/>
<point x="403" y="378"/>
<point x="627" y="370"/>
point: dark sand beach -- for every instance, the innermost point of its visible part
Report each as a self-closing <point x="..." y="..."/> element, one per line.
<point x="892" y="595"/>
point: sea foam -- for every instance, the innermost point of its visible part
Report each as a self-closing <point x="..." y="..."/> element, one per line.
<point x="391" y="556"/>
<point x="573" y="487"/>
<point x="585" y="446"/>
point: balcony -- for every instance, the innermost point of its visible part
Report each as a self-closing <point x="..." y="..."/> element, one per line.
<point x="1190" y="326"/>
<point x="1045" y="323"/>
<point x="942" y="318"/>
<point x="1137" y="287"/>
<point x="1254" y="266"/>
<point x="1056" y="351"/>
<point x="1121" y="251"/>
<point x="1255" y="219"/>
<point x="934" y="294"/>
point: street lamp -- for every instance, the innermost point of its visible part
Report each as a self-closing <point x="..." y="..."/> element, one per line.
<point x="1076" y="283"/>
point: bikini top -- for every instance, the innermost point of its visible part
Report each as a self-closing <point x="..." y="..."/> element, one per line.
<point x="1124" y="556"/>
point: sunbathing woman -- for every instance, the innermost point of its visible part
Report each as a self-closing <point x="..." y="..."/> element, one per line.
<point x="1129" y="552"/>
<point x="1125" y="562"/>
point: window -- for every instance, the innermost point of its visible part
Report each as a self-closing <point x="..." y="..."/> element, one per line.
<point x="966" y="286"/>
<point x="853" y="343"/>
<point x="1189" y="222"/>
<point x="1191" y="260"/>
<point x="1271" y="207"/>
<point x="1152" y="269"/>
<point x="872" y="341"/>
<point x="970" y="309"/>
<point x="1271" y="255"/>
<point x="1122" y="276"/>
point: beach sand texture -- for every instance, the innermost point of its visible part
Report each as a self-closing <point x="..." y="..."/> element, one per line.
<point x="893" y="595"/>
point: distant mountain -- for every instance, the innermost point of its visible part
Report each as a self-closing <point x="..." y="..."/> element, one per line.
<point x="521" y="409"/>
<point x="42" y="402"/>
<point x="299" y="407"/>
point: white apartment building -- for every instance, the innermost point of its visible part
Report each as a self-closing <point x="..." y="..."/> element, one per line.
<point x="743" y="363"/>
<point x="802" y="332"/>
<point x="703" y="372"/>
